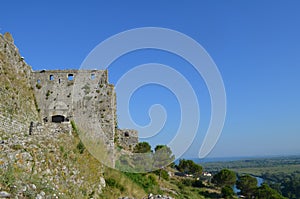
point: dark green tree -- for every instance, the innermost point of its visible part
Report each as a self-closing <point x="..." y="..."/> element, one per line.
<point x="247" y="184"/>
<point x="189" y="167"/>
<point x="142" y="157"/>
<point x="227" y="192"/>
<point x="142" y="147"/>
<point x="266" y="192"/>
<point x="291" y="186"/>
<point x="224" y="178"/>
<point x="162" y="157"/>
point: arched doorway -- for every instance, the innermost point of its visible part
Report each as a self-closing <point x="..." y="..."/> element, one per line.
<point x="58" y="118"/>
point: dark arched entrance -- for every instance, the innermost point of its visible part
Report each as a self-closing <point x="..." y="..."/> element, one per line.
<point x="58" y="118"/>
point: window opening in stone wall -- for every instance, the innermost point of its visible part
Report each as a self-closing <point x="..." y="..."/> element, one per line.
<point x="45" y="119"/>
<point x="59" y="81"/>
<point x="38" y="81"/>
<point x="51" y="77"/>
<point x="93" y="76"/>
<point x="126" y="134"/>
<point x="58" y="118"/>
<point x="70" y="77"/>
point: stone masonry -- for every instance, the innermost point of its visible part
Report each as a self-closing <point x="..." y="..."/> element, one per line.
<point x="127" y="138"/>
<point x="60" y="96"/>
<point x="84" y="96"/>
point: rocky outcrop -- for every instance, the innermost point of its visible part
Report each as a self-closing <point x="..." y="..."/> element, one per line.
<point x="17" y="107"/>
<point x="43" y="166"/>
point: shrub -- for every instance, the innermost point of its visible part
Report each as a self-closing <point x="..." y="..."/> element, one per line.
<point x="80" y="146"/>
<point x="162" y="173"/>
<point x="113" y="183"/>
<point x="187" y="182"/>
<point x="198" y="183"/>
<point x="146" y="182"/>
<point x="227" y="192"/>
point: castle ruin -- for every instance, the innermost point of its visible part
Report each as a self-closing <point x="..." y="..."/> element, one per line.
<point x="62" y="95"/>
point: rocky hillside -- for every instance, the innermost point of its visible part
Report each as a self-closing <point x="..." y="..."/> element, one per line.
<point x="49" y="162"/>
<point x="17" y="106"/>
<point x="37" y="165"/>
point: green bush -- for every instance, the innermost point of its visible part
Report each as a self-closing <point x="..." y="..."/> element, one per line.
<point x="80" y="146"/>
<point x="147" y="182"/>
<point x="187" y="182"/>
<point x="162" y="173"/>
<point x="197" y="183"/>
<point x="227" y="192"/>
<point x="113" y="183"/>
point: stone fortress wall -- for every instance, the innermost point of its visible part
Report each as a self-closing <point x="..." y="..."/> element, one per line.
<point x="84" y="96"/>
<point x="55" y="96"/>
<point x="59" y="97"/>
<point x="127" y="138"/>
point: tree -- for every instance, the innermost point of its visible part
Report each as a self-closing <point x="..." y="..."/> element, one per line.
<point x="247" y="184"/>
<point x="224" y="178"/>
<point x="266" y="192"/>
<point x="142" y="147"/>
<point x="227" y="192"/>
<point x="291" y="186"/>
<point x="189" y="167"/>
<point x="162" y="157"/>
<point x="142" y="157"/>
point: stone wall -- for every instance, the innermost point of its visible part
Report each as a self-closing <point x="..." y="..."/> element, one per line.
<point x="10" y="125"/>
<point x="84" y="96"/>
<point x="37" y="128"/>
<point x="17" y="107"/>
<point x="55" y="91"/>
<point x="30" y="101"/>
<point x="127" y="138"/>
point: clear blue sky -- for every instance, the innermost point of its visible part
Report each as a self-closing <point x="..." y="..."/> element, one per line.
<point x="255" y="44"/>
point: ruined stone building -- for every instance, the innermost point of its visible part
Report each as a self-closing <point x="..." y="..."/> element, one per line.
<point x="59" y="97"/>
<point x="85" y="96"/>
